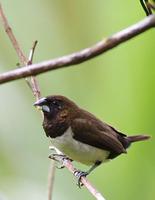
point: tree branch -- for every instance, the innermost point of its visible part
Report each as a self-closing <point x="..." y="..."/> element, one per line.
<point x="12" y="38"/>
<point x="32" y="82"/>
<point x="34" y="86"/>
<point x="83" y="55"/>
<point x="68" y="164"/>
<point x="51" y="177"/>
<point x="23" y="59"/>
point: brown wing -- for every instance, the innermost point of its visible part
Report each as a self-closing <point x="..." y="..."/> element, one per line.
<point x="85" y="131"/>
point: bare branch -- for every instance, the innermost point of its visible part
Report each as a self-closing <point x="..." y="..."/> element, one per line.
<point x="51" y="176"/>
<point x="34" y="84"/>
<point x="23" y="59"/>
<point x="29" y="62"/>
<point x="12" y="38"/>
<point x="32" y="52"/>
<point x="68" y="164"/>
<point x="83" y="55"/>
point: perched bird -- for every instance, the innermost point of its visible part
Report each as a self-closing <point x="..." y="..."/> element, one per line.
<point x="80" y="135"/>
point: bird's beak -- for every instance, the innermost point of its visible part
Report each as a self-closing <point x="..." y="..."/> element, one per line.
<point x="41" y="104"/>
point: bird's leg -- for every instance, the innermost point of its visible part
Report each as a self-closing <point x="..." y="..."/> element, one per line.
<point x="79" y="174"/>
<point x="58" y="157"/>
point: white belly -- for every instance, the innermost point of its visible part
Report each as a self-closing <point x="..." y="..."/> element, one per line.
<point x="79" y="151"/>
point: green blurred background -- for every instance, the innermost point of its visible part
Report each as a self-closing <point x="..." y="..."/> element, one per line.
<point x="118" y="87"/>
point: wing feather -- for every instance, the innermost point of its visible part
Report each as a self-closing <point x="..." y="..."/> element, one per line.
<point x="85" y="131"/>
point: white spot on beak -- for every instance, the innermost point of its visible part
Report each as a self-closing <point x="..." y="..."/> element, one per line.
<point x="45" y="108"/>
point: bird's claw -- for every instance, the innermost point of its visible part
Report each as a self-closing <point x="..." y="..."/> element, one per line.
<point x="79" y="174"/>
<point x="60" y="166"/>
<point x="57" y="157"/>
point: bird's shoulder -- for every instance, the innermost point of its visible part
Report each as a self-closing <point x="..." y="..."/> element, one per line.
<point x="84" y="117"/>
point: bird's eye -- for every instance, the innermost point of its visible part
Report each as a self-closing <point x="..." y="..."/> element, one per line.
<point x="54" y="102"/>
<point x="57" y="104"/>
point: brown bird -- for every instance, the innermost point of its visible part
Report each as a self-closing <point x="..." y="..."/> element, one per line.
<point x="80" y="135"/>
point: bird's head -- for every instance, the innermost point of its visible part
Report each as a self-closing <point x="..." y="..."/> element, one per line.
<point x="56" y="105"/>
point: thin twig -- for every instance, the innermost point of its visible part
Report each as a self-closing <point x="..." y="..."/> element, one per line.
<point x="29" y="62"/>
<point x="36" y="91"/>
<point x="51" y="176"/>
<point x="30" y="59"/>
<point x="151" y="6"/>
<point x="83" y="55"/>
<point x="23" y="59"/>
<point x="32" y="83"/>
<point x="11" y="36"/>
<point x="144" y="4"/>
<point x="147" y="6"/>
<point x="68" y="164"/>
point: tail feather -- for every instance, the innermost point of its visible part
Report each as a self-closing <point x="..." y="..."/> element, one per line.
<point x="136" y="138"/>
<point x="127" y="141"/>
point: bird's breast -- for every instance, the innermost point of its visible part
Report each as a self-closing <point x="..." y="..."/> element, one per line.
<point x="79" y="151"/>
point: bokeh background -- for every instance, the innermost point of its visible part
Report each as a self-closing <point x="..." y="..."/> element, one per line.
<point x="118" y="87"/>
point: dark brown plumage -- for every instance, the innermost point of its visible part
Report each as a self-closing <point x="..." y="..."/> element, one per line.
<point x="75" y="131"/>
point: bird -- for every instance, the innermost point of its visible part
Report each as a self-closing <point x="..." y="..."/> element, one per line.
<point x="80" y="135"/>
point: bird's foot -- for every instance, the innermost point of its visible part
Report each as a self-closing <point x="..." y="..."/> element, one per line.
<point x="64" y="159"/>
<point x="79" y="174"/>
<point x="59" y="157"/>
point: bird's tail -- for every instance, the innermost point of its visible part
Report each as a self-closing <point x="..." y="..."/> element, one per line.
<point x="127" y="141"/>
<point x="136" y="138"/>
